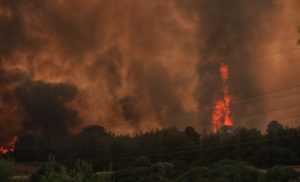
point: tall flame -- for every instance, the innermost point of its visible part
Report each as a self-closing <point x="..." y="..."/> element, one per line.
<point x="10" y="147"/>
<point x="221" y="115"/>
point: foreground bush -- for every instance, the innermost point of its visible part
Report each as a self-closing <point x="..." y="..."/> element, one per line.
<point x="81" y="172"/>
<point x="5" y="172"/>
<point x="280" y="174"/>
<point x="222" y="171"/>
<point x="226" y="170"/>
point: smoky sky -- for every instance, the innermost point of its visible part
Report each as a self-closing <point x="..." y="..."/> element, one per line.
<point x="229" y="29"/>
<point x="125" y="65"/>
<point x="154" y="86"/>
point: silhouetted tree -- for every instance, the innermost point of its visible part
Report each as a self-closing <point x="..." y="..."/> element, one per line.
<point x="279" y="146"/>
<point x="274" y="127"/>
<point x="192" y="134"/>
<point x="93" y="131"/>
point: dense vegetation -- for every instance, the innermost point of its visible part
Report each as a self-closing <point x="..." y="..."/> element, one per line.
<point x="222" y="171"/>
<point x="142" y="170"/>
<point x="5" y="172"/>
<point x="279" y="145"/>
<point x="162" y="155"/>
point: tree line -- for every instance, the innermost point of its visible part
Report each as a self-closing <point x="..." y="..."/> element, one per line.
<point x="279" y="145"/>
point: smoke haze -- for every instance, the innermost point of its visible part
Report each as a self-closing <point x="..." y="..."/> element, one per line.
<point x="139" y="65"/>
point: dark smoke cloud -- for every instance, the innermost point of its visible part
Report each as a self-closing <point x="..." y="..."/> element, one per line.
<point x="29" y="26"/>
<point x="108" y="65"/>
<point x="153" y="86"/>
<point x="95" y="45"/>
<point x="8" y="78"/>
<point x="12" y="36"/>
<point x="228" y="28"/>
<point x="91" y="44"/>
<point x="45" y="107"/>
<point x="10" y="114"/>
<point x="69" y="24"/>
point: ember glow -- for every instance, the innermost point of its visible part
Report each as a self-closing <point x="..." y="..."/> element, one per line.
<point x="10" y="147"/>
<point x="222" y="115"/>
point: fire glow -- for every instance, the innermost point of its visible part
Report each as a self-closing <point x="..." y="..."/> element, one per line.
<point x="10" y="147"/>
<point x="222" y="115"/>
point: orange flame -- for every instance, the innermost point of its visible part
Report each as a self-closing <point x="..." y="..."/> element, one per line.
<point x="10" y="147"/>
<point x="221" y="115"/>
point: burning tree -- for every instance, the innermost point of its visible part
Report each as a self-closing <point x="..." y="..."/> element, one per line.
<point x="221" y="115"/>
<point x="9" y="148"/>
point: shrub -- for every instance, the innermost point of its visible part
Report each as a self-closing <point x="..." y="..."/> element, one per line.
<point x="5" y="172"/>
<point x="141" y="162"/>
<point x="104" y="177"/>
<point x="233" y="171"/>
<point x="53" y="172"/>
<point x="268" y="156"/>
<point x="162" y="168"/>
<point x="126" y="174"/>
<point x="223" y="171"/>
<point x="194" y="174"/>
<point x="280" y="174"/>
<point x="83" y="172"/>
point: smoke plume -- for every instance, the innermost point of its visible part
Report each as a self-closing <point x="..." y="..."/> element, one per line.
<point x="228" y="29"/>
<point x="135" y="65"/>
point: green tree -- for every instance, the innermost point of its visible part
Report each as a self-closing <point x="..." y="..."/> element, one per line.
<point x="82" y="172"/>
<point x="53" y="172"/>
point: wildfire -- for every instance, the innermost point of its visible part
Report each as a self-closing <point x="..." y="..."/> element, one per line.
<point x="221" y="115"/>
<point x="10" y="147"/>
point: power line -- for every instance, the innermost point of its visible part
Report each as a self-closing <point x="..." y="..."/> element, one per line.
<point x="263" y="57"/>
<point x="150" y="118"/>
<point x="237" y="102"/>
<point x="271" y="111"/>
<point x="264" y="100"/>
<point x="247" y="116"/>
<point x="255" y="59"/>
<point x="280" y="90"/>
<point x="153" y="117"/>
<point x="85" y="146"/>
